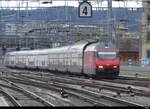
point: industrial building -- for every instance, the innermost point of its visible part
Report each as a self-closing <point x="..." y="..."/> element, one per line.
<point x="145" y="50"/>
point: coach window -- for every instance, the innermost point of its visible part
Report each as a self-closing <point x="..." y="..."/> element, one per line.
<point x="59" y="58"/>
<point x="43" y="63"/>
<point x="74" y="63"/>
<point x="56" y="60"/>
<point x="14" y="59"/>
<point x="79" y="55"/>
<point x="18" y="58"/>
<point x="53" y="59"/>
<point x="70" y="62"/>
<point x="50" y="60"/>
<point x="28" y="59"/>
<point x="36" y="62"/>
<point x="24" y="58"/>
<point x="49" y="56"/>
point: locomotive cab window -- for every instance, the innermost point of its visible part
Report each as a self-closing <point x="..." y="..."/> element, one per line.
<point x="107" y="55"/>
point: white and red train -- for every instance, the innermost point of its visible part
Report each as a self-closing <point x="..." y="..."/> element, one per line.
<point x="92" y="59"/>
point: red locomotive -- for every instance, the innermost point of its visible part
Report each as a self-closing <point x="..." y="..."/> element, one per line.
<point x="102" y="60"/>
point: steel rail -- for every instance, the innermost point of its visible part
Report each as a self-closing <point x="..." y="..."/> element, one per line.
<point x="86" y="82"/>
<point x="10" y="97"/>
<point x="124" y="102"/>
<point x="50" y="74"/>
<point x="99" y="96"/>
<point x="78" y="0"/>
<point x="53" y="87"/>
<point x="89" y="83"/>
<point x="143" y="82"/>
<point x="86" y="92"/>
<point x="26" y="92"/>
<point x="124" y="88"/>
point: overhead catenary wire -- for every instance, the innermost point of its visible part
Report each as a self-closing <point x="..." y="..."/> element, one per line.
<point x="67" y="17"/>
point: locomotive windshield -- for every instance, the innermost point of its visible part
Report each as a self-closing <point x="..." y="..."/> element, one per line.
<point x="107" y="55"/>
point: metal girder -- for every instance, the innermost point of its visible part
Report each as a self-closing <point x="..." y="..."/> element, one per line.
<point x="75" y="0"/>
<point x="45" y="2"/>
<point x="94" y="7"/>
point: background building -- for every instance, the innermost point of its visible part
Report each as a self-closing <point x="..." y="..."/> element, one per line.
<point x="146" y="30"/>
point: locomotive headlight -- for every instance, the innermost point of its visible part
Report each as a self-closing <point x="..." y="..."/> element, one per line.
<point x="100" y="66"/>
<point x="115" y="66"/>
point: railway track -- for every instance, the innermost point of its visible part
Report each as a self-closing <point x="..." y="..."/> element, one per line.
<point x="82" y="96"/>
<point x="42" y="94"/>
<point x="50" y="78"/>
<point x="57" y="80"/>
<point x="6" y="94"/>
<point x="145" y="82"/>
<point x="19" y="96"/>
<point x="121" y="88"/>
<point x="86" y="95"/>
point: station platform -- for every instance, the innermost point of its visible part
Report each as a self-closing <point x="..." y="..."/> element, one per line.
<point x="135" y="70"/>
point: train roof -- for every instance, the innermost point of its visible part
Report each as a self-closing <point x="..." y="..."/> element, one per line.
<point x="71" y="48"/>
<point x="79" y="47"/>
<point x="101" y="45"/>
